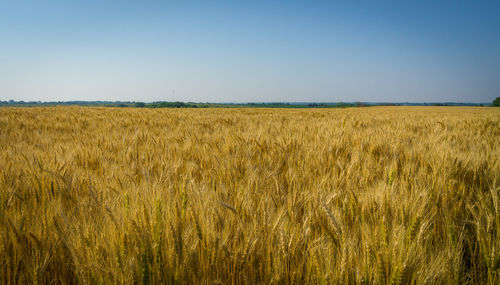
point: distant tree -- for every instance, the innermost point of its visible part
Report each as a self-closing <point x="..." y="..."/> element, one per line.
<point x="139" y="105"/>
<point x="496" y="102"/>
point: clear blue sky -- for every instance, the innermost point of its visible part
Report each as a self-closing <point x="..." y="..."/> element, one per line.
<point x="241" y="51"/>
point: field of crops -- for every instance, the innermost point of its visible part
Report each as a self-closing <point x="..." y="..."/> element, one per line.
<point x="255" y="196"/>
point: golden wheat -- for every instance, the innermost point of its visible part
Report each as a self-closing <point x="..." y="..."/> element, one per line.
<point x="254" y="196"/>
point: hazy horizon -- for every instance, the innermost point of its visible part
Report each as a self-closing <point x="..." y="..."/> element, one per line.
<point x="246" y="102"/>
<point x="272" y="51"/>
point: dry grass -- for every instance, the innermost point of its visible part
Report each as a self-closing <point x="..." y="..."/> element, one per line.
<point x="365" y="195"/>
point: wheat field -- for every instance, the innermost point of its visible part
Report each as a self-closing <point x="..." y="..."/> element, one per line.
<point x="378" y="195"/>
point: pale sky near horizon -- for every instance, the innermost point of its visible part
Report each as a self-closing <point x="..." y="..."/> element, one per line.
<point x="250" y="51"/>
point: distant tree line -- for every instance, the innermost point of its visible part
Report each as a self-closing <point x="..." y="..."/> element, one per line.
<point x="178" y="104"/>
<point x="496" y="102"/>
<point x="331" y="105"/>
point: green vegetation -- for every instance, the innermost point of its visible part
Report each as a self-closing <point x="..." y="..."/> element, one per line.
<point x="163" y="104"/>
<point x="178" y="104"/>
<point x="496" y="102"/>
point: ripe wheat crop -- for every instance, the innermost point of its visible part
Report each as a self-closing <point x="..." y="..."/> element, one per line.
<point x="373" y="195"/>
